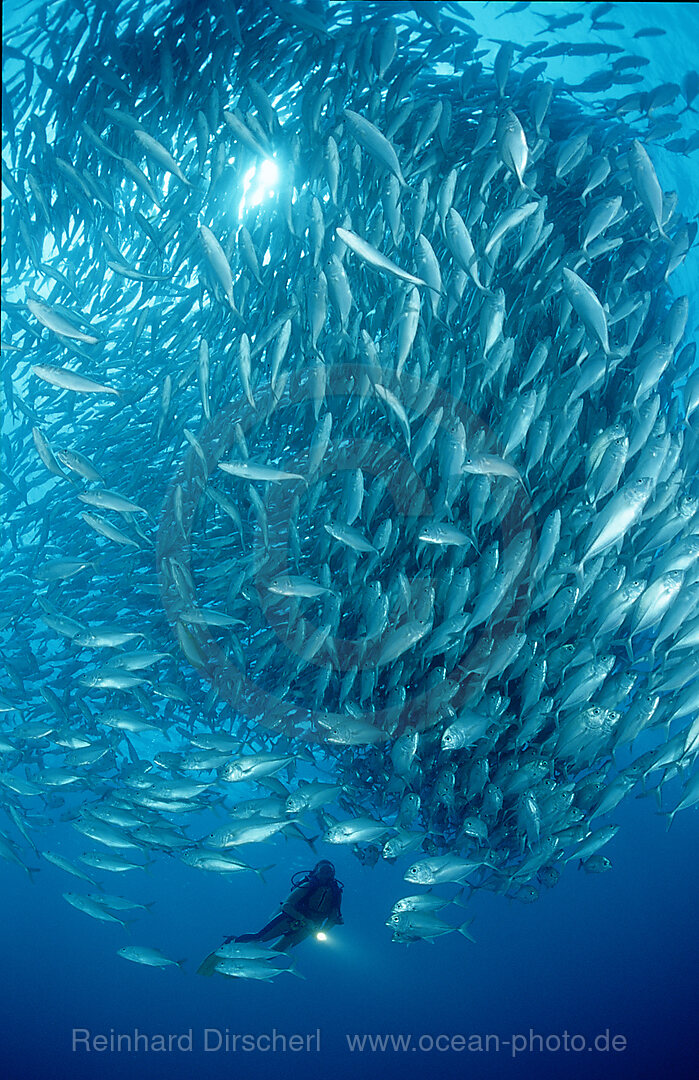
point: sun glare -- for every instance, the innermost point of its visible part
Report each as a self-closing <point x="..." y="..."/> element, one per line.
<point x="258" y="184"/>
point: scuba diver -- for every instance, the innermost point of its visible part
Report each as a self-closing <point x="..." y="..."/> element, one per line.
<point x="313" y="905"/>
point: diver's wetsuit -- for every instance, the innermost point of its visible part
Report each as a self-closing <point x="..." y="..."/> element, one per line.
<point x="318" y="902"/>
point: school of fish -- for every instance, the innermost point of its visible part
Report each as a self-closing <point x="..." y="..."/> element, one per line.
<point x="350" y="451"/>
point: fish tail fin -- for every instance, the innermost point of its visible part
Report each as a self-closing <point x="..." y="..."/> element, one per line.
<point x="464" y="930"/>
<point x="262" y="870"/>
<point x="31" y="870"/>
<point x="132" y="750"/>
<point x="181" y="962"/>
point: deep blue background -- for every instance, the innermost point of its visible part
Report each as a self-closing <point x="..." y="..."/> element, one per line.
<point x="617" y="951"/>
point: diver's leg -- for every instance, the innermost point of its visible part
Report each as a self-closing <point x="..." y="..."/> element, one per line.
<point x="293" y="937"/>
<point x="278" y="925"/>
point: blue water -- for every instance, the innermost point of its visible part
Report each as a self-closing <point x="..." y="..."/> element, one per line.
<point x="614" y="955"/>
<point x="613" y="952"/>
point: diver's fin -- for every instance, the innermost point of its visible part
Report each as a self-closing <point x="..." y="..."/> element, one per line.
<point x="208" y="965"/>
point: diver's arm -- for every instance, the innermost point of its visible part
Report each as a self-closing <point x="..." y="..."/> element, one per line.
<point x="338" y="904"/>
<point x="297" y="915"/>
<point x="335" y="916"/>
<point x="289" y="907"/>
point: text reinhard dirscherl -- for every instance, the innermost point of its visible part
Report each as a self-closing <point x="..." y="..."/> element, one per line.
<point x="213" y="1040"/>
<point x="209" y="1040"/>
